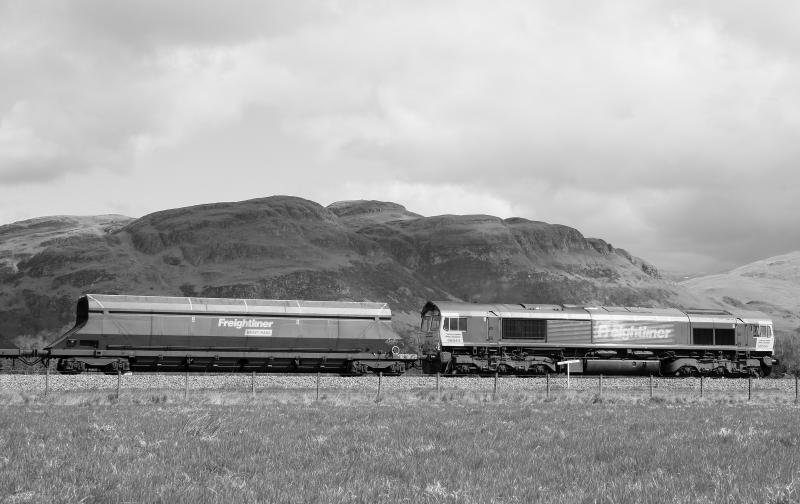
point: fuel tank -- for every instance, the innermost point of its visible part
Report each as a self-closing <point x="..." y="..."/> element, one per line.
<point x="622" y="366"/>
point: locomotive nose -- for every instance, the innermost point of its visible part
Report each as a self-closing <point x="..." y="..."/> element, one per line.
<point x="428" y="342"/>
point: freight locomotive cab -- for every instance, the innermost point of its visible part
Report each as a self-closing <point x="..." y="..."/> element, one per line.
<point x="430" y="326"/>
<point x="117" y="333"/>
<point x="466" y="338"/>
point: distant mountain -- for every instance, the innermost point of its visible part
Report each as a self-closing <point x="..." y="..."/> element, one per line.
<point x="359" y="213"/>
<point x="290" y="248"/>
<point x="770" y="285"/>
<point x="23" y="239"/>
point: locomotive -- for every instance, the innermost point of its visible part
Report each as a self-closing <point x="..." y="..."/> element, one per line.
<point x="466" y="338"/>
<point x="116" y="333"/>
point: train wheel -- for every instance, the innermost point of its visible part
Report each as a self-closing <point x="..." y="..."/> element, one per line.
<point x="687" y="371"/>
<point x="70" y="366"/>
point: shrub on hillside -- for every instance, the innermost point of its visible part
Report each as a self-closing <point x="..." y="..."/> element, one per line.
<point x="787" y="351"/>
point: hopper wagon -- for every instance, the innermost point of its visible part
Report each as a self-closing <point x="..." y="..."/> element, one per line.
<point x="148" y="333"/>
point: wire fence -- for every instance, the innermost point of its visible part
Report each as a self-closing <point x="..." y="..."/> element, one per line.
<point x="319" y="386"/>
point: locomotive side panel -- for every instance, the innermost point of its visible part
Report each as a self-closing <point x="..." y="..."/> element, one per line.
<point x="459" y="330"/>
<point x="615" y="328"/>
<point x="569" y="332"/>
<point x="713" y="330"/>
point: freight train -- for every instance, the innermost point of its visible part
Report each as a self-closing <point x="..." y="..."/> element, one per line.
<point x="118" y="333"/>
<point x="466" y="338"/>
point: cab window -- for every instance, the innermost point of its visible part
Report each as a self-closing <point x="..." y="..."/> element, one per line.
<point x="429" y="323"/>
<point x="455" y="324"/>
<point x="761" y="331"/>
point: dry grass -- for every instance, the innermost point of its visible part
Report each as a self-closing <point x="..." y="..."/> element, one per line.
<point x="413" y="446"/>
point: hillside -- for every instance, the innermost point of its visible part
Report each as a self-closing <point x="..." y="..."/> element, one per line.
<point x="23" y="239"/>
<point x="770" y="285"/>
<point x="286" y="247"/>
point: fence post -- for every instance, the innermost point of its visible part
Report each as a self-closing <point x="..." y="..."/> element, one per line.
<point x="119" y="381"/>
<point x="547" y="384"/>
<point x="651" y="386"/>
<point x="437" y="383"/>
<point x="317" y="385"/>
<point x="749" y="387"/>
<point x="494" y="392"/>
<point x="380" y="379"/>
<point x="46" y="379"/>
<point x="701" y="385"/>
<point x="601" y="386"/>
<point x="567" y="376"/>
<point x="186" y="386"/>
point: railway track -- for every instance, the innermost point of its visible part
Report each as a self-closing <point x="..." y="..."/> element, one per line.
<point x="243" y="382"/>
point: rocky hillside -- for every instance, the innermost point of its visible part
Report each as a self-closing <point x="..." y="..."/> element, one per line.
<point x="770" y="285"/>
<point x="286" y="247"/>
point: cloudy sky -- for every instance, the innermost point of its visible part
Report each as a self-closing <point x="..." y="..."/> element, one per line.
<point x="668" y="128"/>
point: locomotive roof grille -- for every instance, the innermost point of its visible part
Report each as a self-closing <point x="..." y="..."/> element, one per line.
<point x="455" y="308"/>
<point x="710" y="311"/>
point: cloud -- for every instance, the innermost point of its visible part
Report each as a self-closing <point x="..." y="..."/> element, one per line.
<point x="662" y="127"/>
<point x="92" y="85"/>
<point x="771" y="25"/>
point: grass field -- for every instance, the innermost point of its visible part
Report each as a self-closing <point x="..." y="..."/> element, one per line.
<point x="420" y="447"/>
